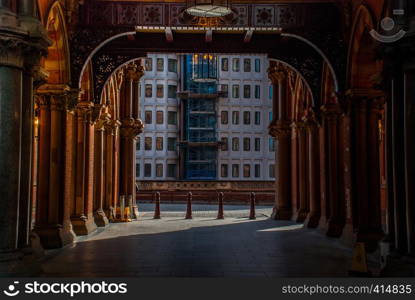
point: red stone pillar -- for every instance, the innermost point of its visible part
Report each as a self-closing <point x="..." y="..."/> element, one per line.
<point x="130" y="128"/>
<point x="336" y="222"/>
<point x="280" y="129"/>
<point x="82" y="220"/>
<point x="367" y="108"/>
<point x="302" y="174"/>
<point x="313" y="176"/>
<point x="100" y="218"/>
<point x="52" y="211"/>
<point x="294" y="162"/>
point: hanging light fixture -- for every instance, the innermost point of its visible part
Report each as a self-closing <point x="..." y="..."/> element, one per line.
<point x="208" y="8"/>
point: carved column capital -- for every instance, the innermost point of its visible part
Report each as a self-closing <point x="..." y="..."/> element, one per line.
<point x="102" y="122"/>
<point x="131" y="128"/>
<point x="331" y="111"/>
<point x="134" y="72"/>
<point x="84" y="110"/>
<point x="277" y="72"/>
<point x="280" y="129"/>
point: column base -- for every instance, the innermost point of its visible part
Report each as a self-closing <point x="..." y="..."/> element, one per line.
<point x="100" y="218"/>
<point x="135" y="212"/>
<point x="301" y="216"/>
<point x="371" y="238"/>
<point x="83" y="225"/>
<point x="323" y="224"/>
<point x="54" y="236"/>
<point x="348" y="236"/>
<point x="335" y="228"/>
<point x="18" y="264"/>
<point x="312" y="220"/>
<point x="281" y="214"/>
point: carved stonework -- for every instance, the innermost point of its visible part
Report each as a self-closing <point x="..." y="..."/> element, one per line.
<point x="131" y="128"/>
<point x="277" y="72"/>
<point x="134" y="72"/>
<point x="264" y="16"/>
<point x="280" y="129"/>
<point x="84" y="110"/>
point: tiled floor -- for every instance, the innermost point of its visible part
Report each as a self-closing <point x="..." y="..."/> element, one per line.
<point x="202" y="247"/>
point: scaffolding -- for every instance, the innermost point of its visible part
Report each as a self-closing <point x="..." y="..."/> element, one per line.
<point x="200" y="141"/>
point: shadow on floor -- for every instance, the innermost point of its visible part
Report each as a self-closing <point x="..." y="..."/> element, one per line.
<point x="202" y="248"/>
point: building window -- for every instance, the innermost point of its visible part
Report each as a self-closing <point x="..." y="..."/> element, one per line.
<point x="272" y="171"/>
<point x="235" y="170"/>
<point x="235" y="91"/>
<point x="257" y="171"/>
<point x="147" y="170"/>
<point x="137" y="170"/>
<point x="257" y="118"/>
<point x="171" y="170"/>
<point x="137" y="144"/>
<point x="257" y="65"/>
<point x="224" y="146"/>
<point x="171" y="144"/>
<point x="235" y="117"/>
<point x="149" y="64"/>
<point x="149" y="91"/>
<point x="224" y="117"/>
<point x="270" y="116"/>
<point x="271" y="142"/>
<point x="270" y="92"/>
<point x="160" y="64"/>
<point x="172" y="91"/>
<point x="224" y="170"/>
<point x="159" y="143"/>
<point x="257" y="144"/>
<point x="235" y="144"/>
<point x="225" y="64"/>
<point x="247" y="117"/>
<point x="247" y="65"/>
<point x="159" y="170"/>
<point x="247" y="91"/>
<point x="148" y="141"/>
<point x="172" y="117"/>
<point x="247" y="144"/>
<point x="257" y="92"/>
<point x="159" y="117"/>
<point x="160" y="91"/>
<point x="224" y="88"/>
<point x="172" y="67"/>
<point x="148" y="117"/>
<point x="247" y="171"/>
<point x="236" y="65"/>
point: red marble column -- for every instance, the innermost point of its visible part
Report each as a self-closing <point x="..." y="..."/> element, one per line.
<point x="52" y="211"/>
<point x="295" y="203"/>
<point x="100" y="218"/>
<point x="131" y="126"/>
<point x="82" y="219"/>
<point x="337" y="208"/>
<point x="303" y="208"/>
<point x="280" y="129"/>
<point x="313" y="175"/>
<point x="367" y="108"/>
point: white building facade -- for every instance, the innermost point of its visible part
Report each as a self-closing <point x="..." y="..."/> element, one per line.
<point x="247" y="152"/>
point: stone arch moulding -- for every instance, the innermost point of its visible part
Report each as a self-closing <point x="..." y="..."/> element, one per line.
<point x="313" y="99"/>
<point x="359" y="52"/>
<point x="309" y="62"/>
<point x="57" y="63"/>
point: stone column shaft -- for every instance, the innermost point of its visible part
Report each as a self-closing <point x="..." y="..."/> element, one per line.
<point x="313" y="175"/>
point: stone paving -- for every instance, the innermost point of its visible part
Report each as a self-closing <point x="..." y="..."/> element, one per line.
<point x="202" y="247"/>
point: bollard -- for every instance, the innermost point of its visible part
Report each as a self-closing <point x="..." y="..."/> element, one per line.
<point x="220" y="209"/>
<point x="252" y="210"/>
<point x="189" y="206"/>
<point x="157" y="208"/>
